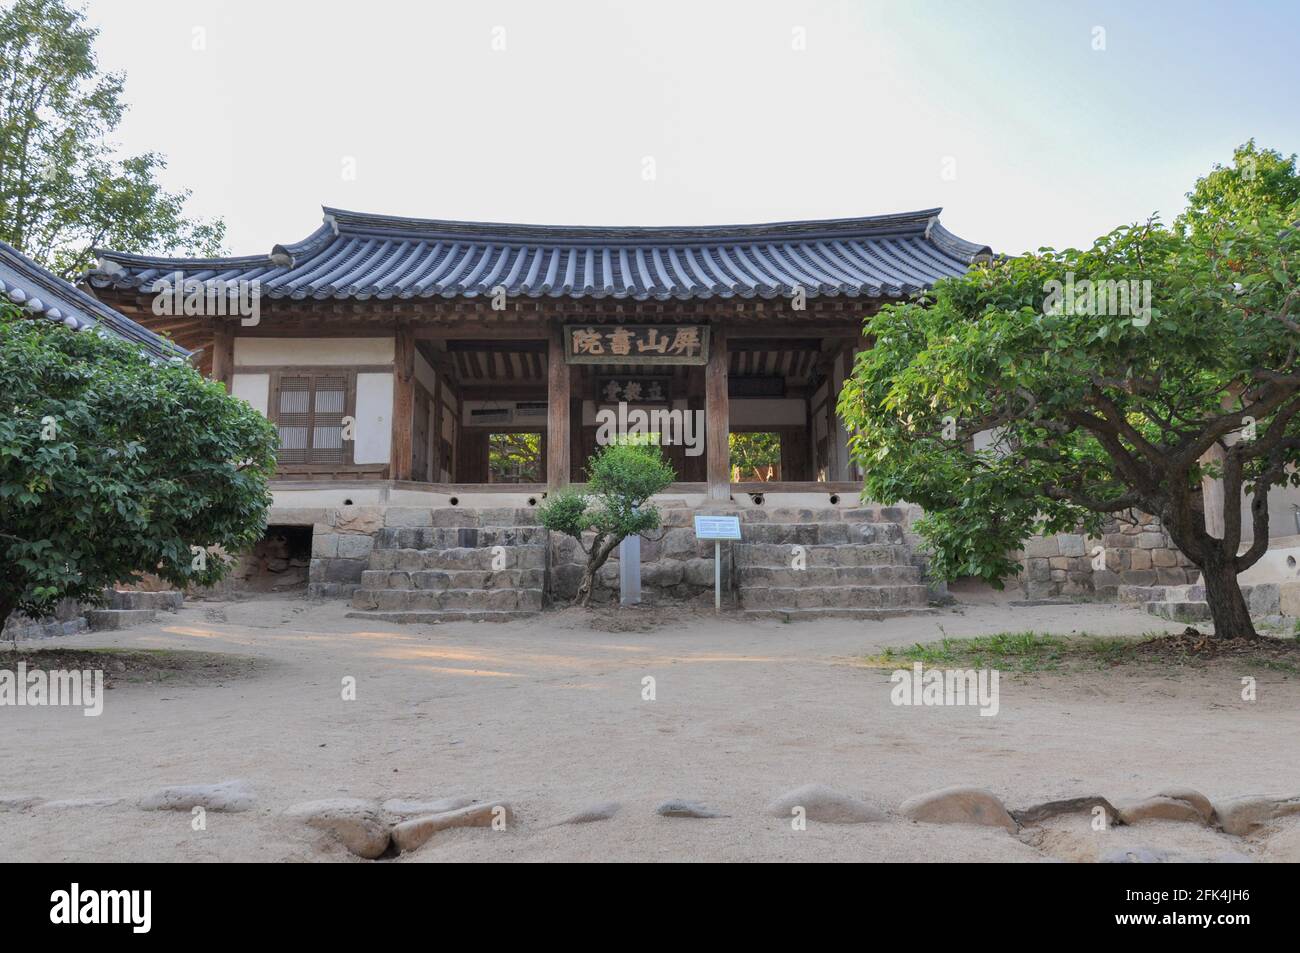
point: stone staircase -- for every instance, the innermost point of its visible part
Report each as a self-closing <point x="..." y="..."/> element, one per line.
<point x="832" y="562"/>
<point x="1187" y="603"/>
<point x="472" y="572"/>
<point x="124" y="608"/>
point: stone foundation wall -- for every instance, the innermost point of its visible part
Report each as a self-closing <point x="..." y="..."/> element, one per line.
<point x="1138" y="552"/>
<point x="68" y="618"/>
<point x="675" y="567"/>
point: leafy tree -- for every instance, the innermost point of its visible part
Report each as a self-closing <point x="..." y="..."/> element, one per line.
<point x="752" y="454"/>
<point x="62" y="190"/>
<point x="1091" y="407"/>
<point x="622" y="478"/>
<point x="515" y="457"/>
<point x="112" y="465"/>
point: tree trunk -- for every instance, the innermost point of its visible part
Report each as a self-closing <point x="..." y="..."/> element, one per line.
<point x="1227" y="604"/>
<point x="600" y="551"/>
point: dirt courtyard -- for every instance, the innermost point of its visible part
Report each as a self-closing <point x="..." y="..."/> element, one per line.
<point x="550" y="715"/>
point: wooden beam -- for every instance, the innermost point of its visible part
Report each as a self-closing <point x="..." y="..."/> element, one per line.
<point x="403" y="405"/>
<point x="557" y="415"/>
<point x="716" y="418"/>
<point x="223" y="354"/>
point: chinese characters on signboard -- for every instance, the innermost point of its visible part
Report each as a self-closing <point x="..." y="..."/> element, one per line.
<point x="637" y="344"/>
<point x="634" y="390"/>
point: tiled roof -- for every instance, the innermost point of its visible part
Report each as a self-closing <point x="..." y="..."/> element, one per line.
<point x="40" y="292"/>
<point x="359" y="256"/>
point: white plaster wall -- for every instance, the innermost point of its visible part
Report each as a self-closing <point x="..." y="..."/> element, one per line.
<point x="424" y="372"/>
<point x="374" y="418"/>
<point x="254" y="388"/>
<point x="311" y="352"/>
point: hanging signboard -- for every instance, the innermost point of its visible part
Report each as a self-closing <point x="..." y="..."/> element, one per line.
<point x="636" y="344"/>
<point x="634" y="390"/>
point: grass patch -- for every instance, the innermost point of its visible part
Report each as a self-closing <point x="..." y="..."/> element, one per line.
<point x="1040" y="652"/>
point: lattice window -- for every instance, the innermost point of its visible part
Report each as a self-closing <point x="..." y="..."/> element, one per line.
<point x="310" y="413"/>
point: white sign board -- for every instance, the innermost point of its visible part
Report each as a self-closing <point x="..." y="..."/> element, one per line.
<point x="717" y="527"/>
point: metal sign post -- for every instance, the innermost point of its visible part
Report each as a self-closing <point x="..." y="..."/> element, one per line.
<point x="629" y="571"/>
<point x="717" y="528"/>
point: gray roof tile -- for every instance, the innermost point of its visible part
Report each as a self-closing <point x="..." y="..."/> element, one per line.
<point x="41" y="292"/>
<point x="356" y="255"/>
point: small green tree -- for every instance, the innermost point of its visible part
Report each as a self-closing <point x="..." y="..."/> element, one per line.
<point x="1044" y="392"/>
<point x="112" y="465"/>
<point x="621" y="480"/>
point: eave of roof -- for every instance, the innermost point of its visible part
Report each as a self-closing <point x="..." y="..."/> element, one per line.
<point x="41" y="292"/>
<point x="358" y="255"/>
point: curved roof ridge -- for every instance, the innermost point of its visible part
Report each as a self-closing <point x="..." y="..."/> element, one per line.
<point x="299" y="268"/>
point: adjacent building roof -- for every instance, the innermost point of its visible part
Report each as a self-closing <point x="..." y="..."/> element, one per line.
<point x="43" y="293"/>
<point x="359" y="256"/>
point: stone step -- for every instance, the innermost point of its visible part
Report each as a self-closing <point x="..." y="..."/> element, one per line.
<point x="777" y="555"/>
<point x="458" y="558"/>
<point x="827" y="612"/>
<point x="750" y="577"/>
<point x="168" y="601"/>
<point x="834" y="597"/>
<point x="105" y="619"/>
<point x="433" y="618"/>
<point x="464" y="537"/>
<point x="807" y="534"/>
<point x="443" y="579"/>
<point x="427" y="600"/>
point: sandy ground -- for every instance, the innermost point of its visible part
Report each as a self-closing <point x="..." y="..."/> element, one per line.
<point x="548" y="714"/>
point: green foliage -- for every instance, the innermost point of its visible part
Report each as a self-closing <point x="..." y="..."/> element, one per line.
<point x="111" y="466"/>
<point x="753" y="453"/>
<point x="515" y="457"/>
<point x="1258" y="182"/>
<point x="62" y="190"/>
<point x="616" y="504"/>
<point x="1093" y="408"/>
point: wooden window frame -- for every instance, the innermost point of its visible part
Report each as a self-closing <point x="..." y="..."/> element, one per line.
<point x="349" y="410"/>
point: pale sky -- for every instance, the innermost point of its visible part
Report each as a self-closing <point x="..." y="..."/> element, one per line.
<point x="1031" y="123"/>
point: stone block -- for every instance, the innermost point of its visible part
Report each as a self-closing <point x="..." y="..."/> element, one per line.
<point x="355" y="547"/>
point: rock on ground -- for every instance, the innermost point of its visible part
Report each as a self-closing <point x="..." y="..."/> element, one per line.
<point x="1167" y="808"/>
<point x="1074" y="805"/>
<point x="677" y="807"/>
<point x="360" y="825"/>
<point x="1242" y="815"/>
<point x="414" y="833"/>
<point x="959" y="805"/>
<point x="820" y="803"/>
<point x="226" y="796"/>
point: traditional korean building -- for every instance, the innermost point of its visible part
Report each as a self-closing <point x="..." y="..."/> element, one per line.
<point x="451" y="345"/>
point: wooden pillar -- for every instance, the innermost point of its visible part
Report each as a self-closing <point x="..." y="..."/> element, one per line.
<point x="399" y="465"/>
<point x="223" y="354"/>
<point x="558" y="432"/>
<point x="717" y="426"/>
<point x="436" y="473"/>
